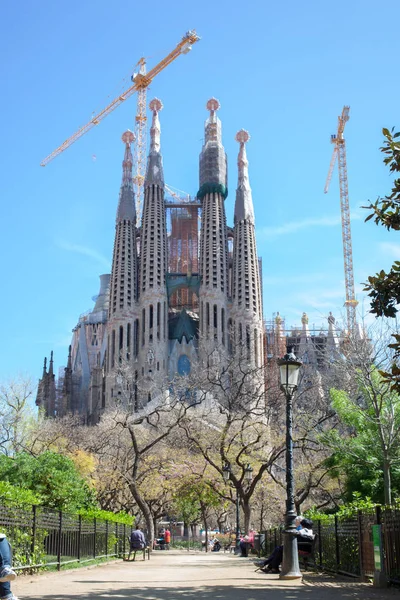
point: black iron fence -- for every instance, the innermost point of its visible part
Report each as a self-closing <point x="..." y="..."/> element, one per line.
<point x="345" y="545"/>
<point x="42" y="537"/>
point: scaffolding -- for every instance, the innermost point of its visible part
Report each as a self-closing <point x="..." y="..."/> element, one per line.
<point x="183" y="219"/>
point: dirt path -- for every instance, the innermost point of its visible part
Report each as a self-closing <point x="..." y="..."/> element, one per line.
<point x="180" y="575"/>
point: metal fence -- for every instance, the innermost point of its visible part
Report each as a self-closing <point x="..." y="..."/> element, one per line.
<point x="345" y="545"/>
<point x="42" y="537"/>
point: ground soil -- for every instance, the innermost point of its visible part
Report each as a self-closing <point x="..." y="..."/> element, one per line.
<point x="179" y="575"/>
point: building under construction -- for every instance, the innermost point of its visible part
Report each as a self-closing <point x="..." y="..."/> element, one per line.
<point x="184" y="286"/>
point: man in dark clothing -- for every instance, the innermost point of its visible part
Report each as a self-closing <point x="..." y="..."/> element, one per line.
<point x="304" y="536"/>
<point x="137" y="541"/>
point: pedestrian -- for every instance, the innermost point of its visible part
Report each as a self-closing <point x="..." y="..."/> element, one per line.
<point x="6" y="572"/>
<point x="167" y="538"/>
<point x="137" y="541"/>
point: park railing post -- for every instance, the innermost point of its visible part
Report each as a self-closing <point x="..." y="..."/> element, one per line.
<point x="94" y="537"/>
<point x="116" y="545"/>
<point x="33" y="540"/>
<point x="59" y="540"/>
<point x="124" y="542"/>
<point x="360" y="542"/>
<point x="320" y="544"/>
<point x="337" y="544"/>
<point x="106" y="537"/>
<point x="79" y="536"/>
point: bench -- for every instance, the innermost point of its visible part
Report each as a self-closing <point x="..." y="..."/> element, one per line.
<point x="146" y="551"/>
<point x="307" y="557"/>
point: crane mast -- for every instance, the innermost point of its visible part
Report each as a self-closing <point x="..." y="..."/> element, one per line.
<point x="141" y="81"/>
<point x="339" y="153"/>
<point x="139" y="157"/>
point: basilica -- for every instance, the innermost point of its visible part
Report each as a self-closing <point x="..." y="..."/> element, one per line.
<point x="184" y="285"/>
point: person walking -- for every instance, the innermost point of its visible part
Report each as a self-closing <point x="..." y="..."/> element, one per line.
<point x="6" y="572"/>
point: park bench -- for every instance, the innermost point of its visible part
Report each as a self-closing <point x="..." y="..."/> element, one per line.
<point x="146" y="551"/>
<point x="307" y="557"/>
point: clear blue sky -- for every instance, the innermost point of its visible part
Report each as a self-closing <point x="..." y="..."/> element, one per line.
<point x="283" y="71"/>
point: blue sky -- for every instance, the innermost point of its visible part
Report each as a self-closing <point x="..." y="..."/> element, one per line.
<point x="283" y="71"/>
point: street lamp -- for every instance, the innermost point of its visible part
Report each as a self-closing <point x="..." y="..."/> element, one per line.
<point x="289" y="368"/>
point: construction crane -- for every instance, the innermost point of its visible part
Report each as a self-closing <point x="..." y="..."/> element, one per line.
<point x="141" y="81"/>
<point x="339" y="152"/>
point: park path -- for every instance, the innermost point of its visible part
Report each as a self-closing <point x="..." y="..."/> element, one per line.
<point x="181" y="575"/>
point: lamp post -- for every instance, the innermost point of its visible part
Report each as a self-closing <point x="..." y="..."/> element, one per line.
<point x="289" y="374"/>
<point x="248" y="474"/>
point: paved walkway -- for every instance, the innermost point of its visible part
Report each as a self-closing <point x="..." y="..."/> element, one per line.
<point x="181" y="575"/>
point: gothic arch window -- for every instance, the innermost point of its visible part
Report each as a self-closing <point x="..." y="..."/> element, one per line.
<point x="184" y="366"/>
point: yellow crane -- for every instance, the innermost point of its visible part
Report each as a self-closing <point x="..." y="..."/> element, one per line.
<point x="141" y="81"/>
<point x="339" y="153"/>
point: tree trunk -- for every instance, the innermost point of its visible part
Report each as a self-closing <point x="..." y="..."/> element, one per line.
<point x="148" y="517"/>
<point x="247" y="516"/>
<point x="204" y="516"/>
<point x="387" y="481"/>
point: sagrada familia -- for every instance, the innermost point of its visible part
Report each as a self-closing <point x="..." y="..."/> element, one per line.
<point x="177" y="291"/>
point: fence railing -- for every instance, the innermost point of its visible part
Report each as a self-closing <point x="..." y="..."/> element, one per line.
<point x="345" y="545"/>
<point x="42" y="537"/>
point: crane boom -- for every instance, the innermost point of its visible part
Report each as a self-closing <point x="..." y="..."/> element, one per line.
<point x="141" y="81"/>
<point x="339" y="152"/>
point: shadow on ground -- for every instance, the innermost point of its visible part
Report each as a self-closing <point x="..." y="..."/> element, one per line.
<point x="253" y="591"/>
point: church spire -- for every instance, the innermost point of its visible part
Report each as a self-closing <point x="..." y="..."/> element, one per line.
<point x="51" y="371"/>
<point x="213" y="168"/>
<point x="244" y="203"/>
<point x="155" y="172"/>
<point x="126" y="205"/>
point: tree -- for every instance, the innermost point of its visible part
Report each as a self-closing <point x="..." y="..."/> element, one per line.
<point x="370" y="452"/>
<point x="16" y="414"/>
<point x="240" y="422"/>
<point x="51" y="476"/>
<point x="384" y="288"/>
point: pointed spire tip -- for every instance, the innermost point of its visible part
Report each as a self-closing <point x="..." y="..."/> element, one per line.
<point x="242" y="136"/>
<point x="213" y="105"/>
<point x="156" y="105"/>
<point x="128" y="137"/>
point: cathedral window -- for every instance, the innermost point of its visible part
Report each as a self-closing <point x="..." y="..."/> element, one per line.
<point x="113" y="348"/>
<point x="248" y="341"/>
<point x="128" y="337"/>
<point x="158" y="319"/>
<point x="223" y="325"/>
<point x="143" y="325"/>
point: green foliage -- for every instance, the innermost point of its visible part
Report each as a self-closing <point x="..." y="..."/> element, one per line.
<point x="368" y="438"/>
<point x="12" y="495"/>
<point x="105" y="515"/>
<point x="50" y="476"/>
<point x="384" y="288"/>
<point x="191" y="495"/>
<point x="184" y="545"/>
<point x="346" y="511"/>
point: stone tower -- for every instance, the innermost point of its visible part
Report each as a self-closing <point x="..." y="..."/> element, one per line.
<point x="153" y="304"/>
<point x="213" y="263"/>
<point x="247" y="323"/>
<point x="122" y="326"/>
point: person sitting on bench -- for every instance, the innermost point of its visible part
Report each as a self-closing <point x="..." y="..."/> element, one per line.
<point x="137" y="541"/>
<point x="304" y="536"/>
